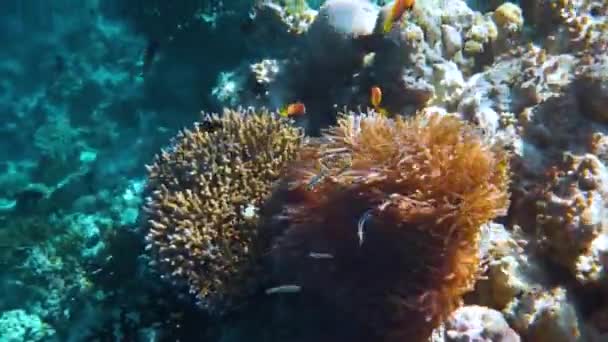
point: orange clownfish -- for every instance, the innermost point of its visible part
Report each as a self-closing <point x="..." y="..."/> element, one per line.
<point x="395" y="13"/>
<point x="293" y="110"/>
<point x="375" y="97"/>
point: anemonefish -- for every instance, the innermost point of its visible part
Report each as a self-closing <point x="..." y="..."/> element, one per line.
<point x="293" y="110"/>
<point x="375" y="96"/>
<point x="396" y="12"/>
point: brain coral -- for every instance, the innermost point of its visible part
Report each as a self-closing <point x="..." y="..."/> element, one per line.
<point x="204" y="194"/>
<point x="382" y="219"/>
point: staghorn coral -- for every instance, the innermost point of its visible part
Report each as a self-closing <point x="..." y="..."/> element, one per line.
<point x="204" y="196"/>
<point x="397" y="205"/>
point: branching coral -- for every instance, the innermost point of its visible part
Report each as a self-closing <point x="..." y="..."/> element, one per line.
<point x="394" y="207"/>
<point x="204" y="196"/>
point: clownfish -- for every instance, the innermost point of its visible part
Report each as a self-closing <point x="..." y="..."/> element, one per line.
<point x="293" y="110"/>
<point x="396" y="12"/>
<point x="375" y="97"/>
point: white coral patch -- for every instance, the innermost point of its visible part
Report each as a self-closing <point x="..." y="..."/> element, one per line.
<point x="249" y="212"/>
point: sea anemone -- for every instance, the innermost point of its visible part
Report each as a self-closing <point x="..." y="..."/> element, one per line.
<point x="382" y="217"/>
<point x="204" y="194"/>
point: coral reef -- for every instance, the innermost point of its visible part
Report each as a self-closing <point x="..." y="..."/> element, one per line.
<point x="17" y="326"/>
<point x="569" y="211"/>
<point x="543" y="315"/>
<point x="543" y="102"/>
<point x="566" y="25"/>
<point x="516" y="284"/>
<point x="295" y="15"/>
<point x="423" y="61"/>
<point x="476" y="324"/>
<point x="509" y="271"/>
<point x="205" y="192"/>
<point x="49" y="264"/>
<point x="85" y="104"/>
<point x="398" y="205"/>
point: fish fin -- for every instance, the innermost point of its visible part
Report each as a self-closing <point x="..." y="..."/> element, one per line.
<point x="382" y="111"/>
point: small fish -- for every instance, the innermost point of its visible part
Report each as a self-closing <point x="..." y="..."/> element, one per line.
<point x="316" y="255"/>
<point x="293" y="110"/>
<point x="361" y="225"/>
<point x="284" y="289"/>
<point x="314" y="181"/>
<point x="149" y="55"/>
<point x="375" y="98"/>
<point x="396" y="12"/>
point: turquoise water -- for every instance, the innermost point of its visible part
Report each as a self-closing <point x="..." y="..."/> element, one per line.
<point x="81" y="115"/>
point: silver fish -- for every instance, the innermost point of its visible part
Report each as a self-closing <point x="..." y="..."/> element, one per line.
<point x="361" y="225"/>
<point x="284" y="289"/>
<point x="316" y="255"/>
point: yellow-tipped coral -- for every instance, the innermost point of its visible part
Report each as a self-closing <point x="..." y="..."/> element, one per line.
<point x="395" y="208"/>
<point x="204" y="194"/>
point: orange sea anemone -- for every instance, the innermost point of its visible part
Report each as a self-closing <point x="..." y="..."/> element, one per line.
<point x="394" y="208"/>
